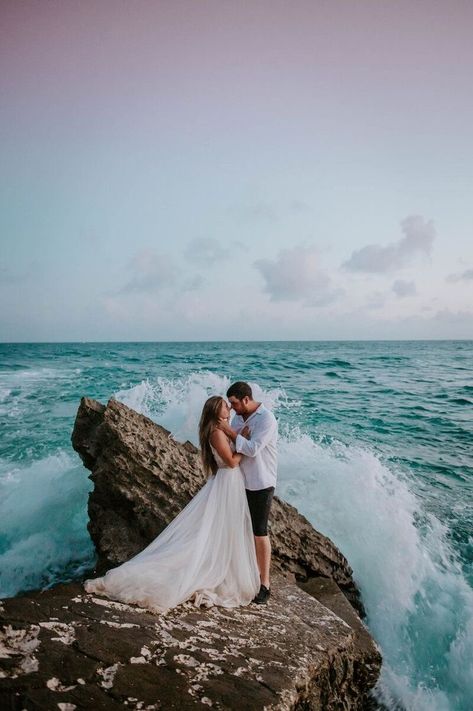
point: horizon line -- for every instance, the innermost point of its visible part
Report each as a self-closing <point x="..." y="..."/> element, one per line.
<point x="279" y="340"/>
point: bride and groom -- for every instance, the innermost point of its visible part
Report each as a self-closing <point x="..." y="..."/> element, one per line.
<point x="216" y="551"/>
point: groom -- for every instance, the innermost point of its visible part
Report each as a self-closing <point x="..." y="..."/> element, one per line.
<point x="254" y="429"/>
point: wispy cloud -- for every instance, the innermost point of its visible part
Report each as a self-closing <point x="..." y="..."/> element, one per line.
<point x="194" y="283"/>
<point x="206" y="251"/>
<point x="296" y="275"/>
<point x="463" y="318"/>
<point x="376" y="300"/>
<point x="418" y="239"/>
<point x="404" y="288"/>
<point x="299" y="206"/>
<point x="467" y="275"/>
<point x="266" y="211"/>
<point x="150" y="271"/>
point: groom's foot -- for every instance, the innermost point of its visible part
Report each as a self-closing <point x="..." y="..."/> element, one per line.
<point x="262" y="597"/>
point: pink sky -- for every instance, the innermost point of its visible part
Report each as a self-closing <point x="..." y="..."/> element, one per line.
<point x="150" y="125"/>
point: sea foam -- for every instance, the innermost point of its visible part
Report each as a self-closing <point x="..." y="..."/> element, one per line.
<point x="43" y="510"/>
<point x="419" y="605"/>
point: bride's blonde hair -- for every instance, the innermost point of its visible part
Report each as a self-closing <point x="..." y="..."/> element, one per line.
<point x="208" y="419"/>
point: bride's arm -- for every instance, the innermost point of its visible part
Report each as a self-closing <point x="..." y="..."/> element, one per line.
<point x="220" y="442"/>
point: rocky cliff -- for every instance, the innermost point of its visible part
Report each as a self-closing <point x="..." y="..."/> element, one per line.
<point x="63" y="648"/>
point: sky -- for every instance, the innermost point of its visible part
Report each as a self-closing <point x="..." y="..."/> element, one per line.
<point x="229" y="170"/>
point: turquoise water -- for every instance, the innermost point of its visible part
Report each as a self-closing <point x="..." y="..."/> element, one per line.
<point x="375" y="450"/>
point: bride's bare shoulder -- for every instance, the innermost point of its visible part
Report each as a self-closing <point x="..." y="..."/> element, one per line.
<point x="217" y="437"/>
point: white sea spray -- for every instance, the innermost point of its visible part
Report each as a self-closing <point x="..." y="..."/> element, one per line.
<point x="359" y="404"/>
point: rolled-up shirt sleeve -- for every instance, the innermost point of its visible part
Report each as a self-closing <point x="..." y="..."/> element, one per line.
<point x="261" y="437"/>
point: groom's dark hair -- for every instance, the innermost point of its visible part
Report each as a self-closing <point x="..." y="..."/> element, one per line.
<point x="240" y="390"/>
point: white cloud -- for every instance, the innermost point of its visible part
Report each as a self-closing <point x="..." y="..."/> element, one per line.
<point x="296" y="275"/>
<point x="206" y="251"/>
<point x="467" y="275"/>
<point x="418" y="239"/>
<point x="404" y="288"/>
<point x="150" y="271"/>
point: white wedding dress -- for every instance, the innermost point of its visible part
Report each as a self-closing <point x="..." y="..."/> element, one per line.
<point x="205" y="555"/>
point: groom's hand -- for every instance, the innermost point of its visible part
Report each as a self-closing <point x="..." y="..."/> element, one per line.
<point x="246" y="432"/>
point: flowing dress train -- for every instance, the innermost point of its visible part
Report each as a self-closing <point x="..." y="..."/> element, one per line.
<point x="206" y="554"/>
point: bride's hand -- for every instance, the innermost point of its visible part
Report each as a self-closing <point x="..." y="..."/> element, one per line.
<point x="246" y="432"/>
<point x="224" y="426"/>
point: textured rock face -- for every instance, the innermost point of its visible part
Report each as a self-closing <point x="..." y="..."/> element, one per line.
<point x="63" y="646"/>
<point x="143" y="478"/>
<point x="65" y="649"/>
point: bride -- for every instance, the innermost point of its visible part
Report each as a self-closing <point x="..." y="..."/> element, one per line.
<point x="207" y="553"/>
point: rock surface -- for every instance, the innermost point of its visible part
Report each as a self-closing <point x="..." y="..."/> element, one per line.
<point x="65" y="646"/>
<point x="64" y="649"/>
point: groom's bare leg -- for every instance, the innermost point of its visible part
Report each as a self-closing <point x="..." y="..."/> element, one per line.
<point x="263" y="556"/>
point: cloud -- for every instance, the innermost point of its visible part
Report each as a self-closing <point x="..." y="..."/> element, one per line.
<point x="270" y="212"/>
<point x="439" y="325"/>
<point x="206" y="251"/>
<point x="404" y="288"/>
<point x="151" y="271"/>
<point x="454" y="318"/>
<point x="467" y="275"/>
<point x="255" y="212"/>
<point x="296" y="275"/>
<point x="418" y="239"/>
<point x="193" y="283"/>
<point x="299" y="206"/>
<point x="376" y="300"/>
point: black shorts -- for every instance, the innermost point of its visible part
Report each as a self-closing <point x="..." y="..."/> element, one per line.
<point x="259" y="503"/>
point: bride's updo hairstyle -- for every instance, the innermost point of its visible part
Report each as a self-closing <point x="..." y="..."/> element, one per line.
<point x="208" y="420"/>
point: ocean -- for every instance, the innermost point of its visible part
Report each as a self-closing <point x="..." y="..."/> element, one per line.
<point x="375" y="450"/>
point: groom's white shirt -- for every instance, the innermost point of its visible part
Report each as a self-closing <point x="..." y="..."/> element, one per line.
<point x="259" y="465"/>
